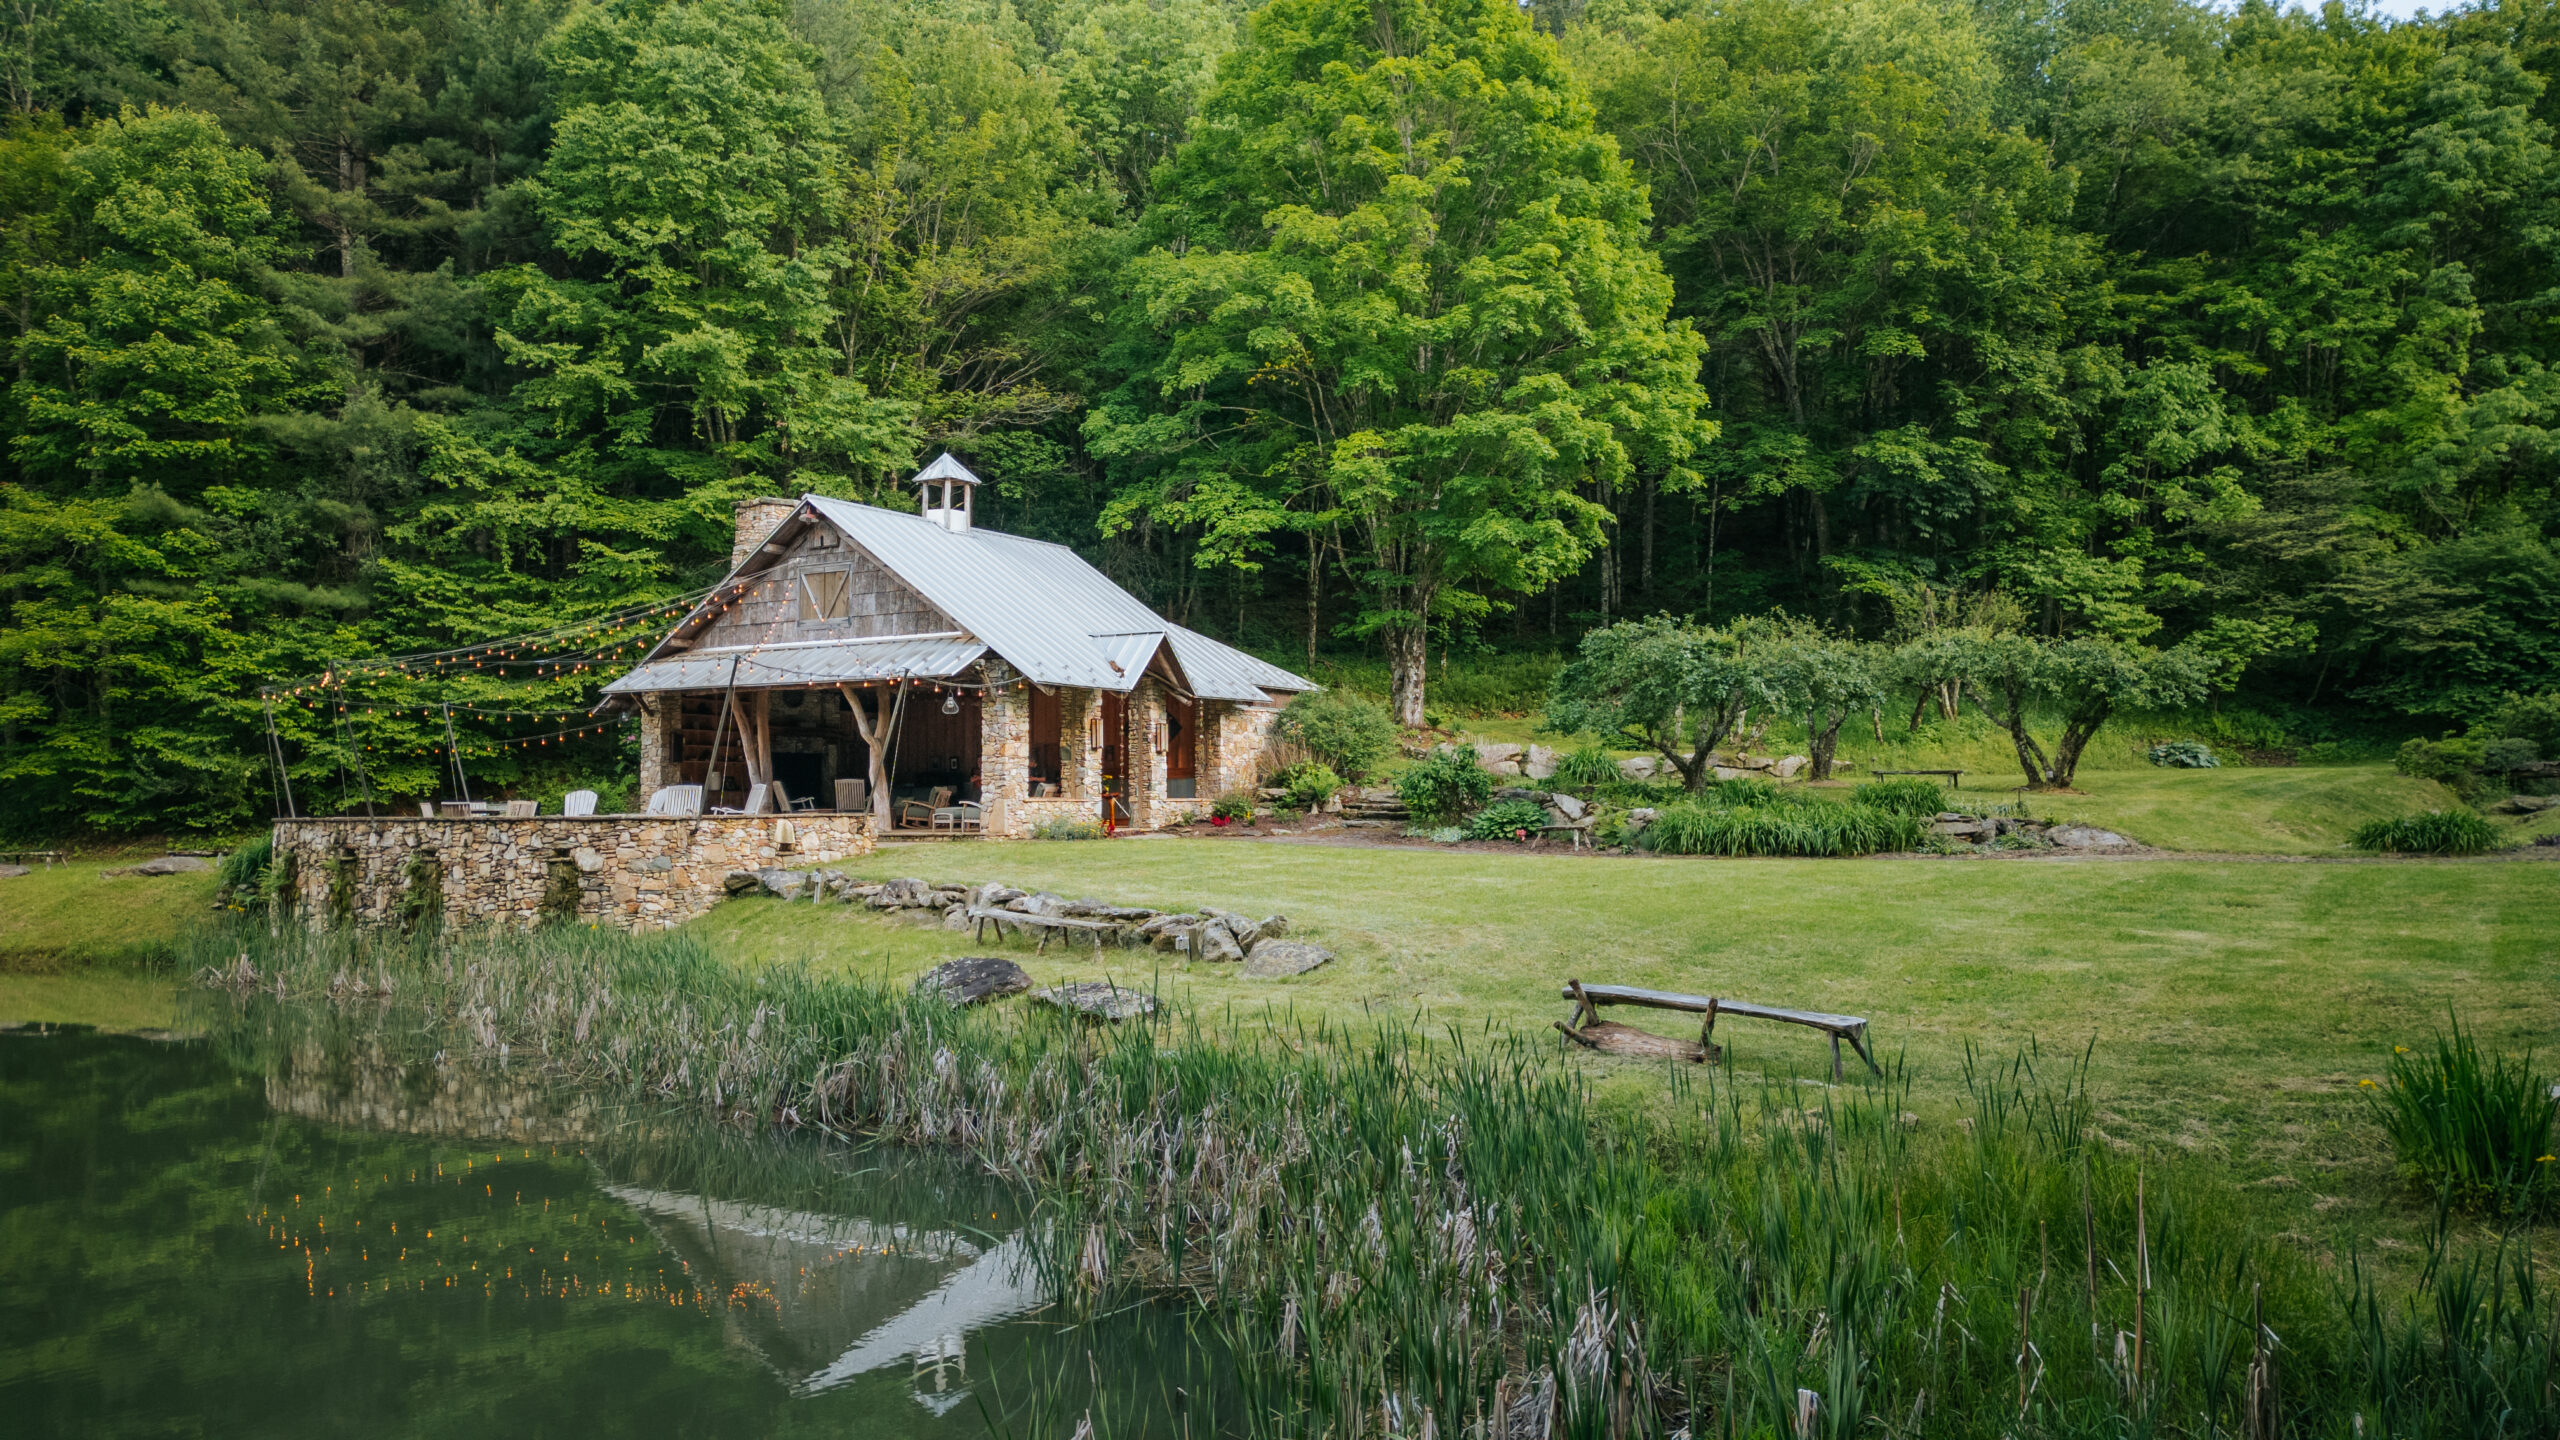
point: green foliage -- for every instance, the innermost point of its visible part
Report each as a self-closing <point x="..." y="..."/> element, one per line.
<point x="2502" y="756"/>
<point x="1309" y="784"/>
<point x="2533" y="717"/>
<point x="1820" y="828"/>
<point x="1587" y="768"/>
<point x="1445" y="785"/>
<point x="1676" y="689"/>
<point x="1508" y="820"/>
<point x="1341" y="730"/>
<point x="241" y="874"/>
<point x="2473" y="1129"/>
<point x="2085" y="680"/>
<point x="2428" y="832"/>
<point x="2449" y="759"/>
<point x="1903" y="795"/>
<point x="1235" y="805"/>
<point x="1063" y="827"/>
<point x="2183" y="755"/>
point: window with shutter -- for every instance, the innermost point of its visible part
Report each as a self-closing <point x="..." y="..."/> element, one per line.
<point x="824" y="595"/>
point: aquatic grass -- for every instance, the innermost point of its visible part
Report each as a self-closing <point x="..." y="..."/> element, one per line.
<point x="2475" y="1129"/>
<point x="1401" y="1234"/>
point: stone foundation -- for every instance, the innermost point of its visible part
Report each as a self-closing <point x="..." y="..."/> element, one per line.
<point x="633" y="872"/>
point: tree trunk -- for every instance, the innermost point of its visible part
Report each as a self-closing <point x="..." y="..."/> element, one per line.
<point x="1408" y="667"/>
<point x="2077" y="731"/>
<point x="1823" y="739"/>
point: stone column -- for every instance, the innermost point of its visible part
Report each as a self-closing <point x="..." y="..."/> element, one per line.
<point x="1147" y="807"/>
<point x="660" y="743"/>
<point x="1004" y="749"/>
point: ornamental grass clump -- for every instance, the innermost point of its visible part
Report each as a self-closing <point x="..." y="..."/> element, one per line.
<point x="2428" y="832"/>
<point x="1588" y="768"/>
<point x="2473" y="1129"/>
<point x="1815" y="829"/>
<point x="1909" y="795"/>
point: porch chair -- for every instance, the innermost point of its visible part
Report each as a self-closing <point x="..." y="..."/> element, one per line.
<point x="578" y="802"/>
<point x="522" y="809"/>
<point x="755" y="802"/>
<point x="676" y="800"/>
<point x="920" y="812"/>
<point x="853" y="796"/>
<point x="966" y="815"/>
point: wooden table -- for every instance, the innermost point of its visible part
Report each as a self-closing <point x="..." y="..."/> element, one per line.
<point x="1852" y="1028"/>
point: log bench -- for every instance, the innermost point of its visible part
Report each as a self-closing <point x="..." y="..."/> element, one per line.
<point x="1955" y="778"/>
<point x="1588" y="998"/>
<point x="1049" y="926"/>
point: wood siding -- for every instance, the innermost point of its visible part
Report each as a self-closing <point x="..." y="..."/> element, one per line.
<point x="876" y="602"/>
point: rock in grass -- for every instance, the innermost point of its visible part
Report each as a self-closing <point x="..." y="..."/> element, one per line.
<point x="957" y="918"/>
<point x="2085" y="837"/>
<point x="1279" y="959"/>
<point x="739" y="882"/>
<point x="12" y="872"/>
<point x="1098" y="1000"/>
<point x="1214" y="941"/>
<point x="974" y="980"/>
<point x="172" y="865"/>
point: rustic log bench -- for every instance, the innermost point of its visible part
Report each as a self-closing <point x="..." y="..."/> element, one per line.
<point x="1049" y="926"/>
<point x="1588" y="998"/>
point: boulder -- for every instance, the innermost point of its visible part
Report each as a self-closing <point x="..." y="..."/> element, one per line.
<point x="1966" y="829"/>
<point x="995" y="893"/>
<point x="957" y="918"/>
<point x="1729" y="772"/>
<point x="2529" y="804"/>
<point x="1639" y="767"/>
<point x="587" y="860"/>
<point x="173" y="865"/>
<point x="2086" y="837"/>
<point x="1640" y="817"/>
<point x="739" y="882"/>
<point x="974" y="979"/>
<point x="1278" y="959"/>
<point x="1489" y="754"/>
<point x="1539" y="763"/>
<point x="1214" y="941"/>
<point x="777" y="881"/>
<point x="905" y="894"/>
<point x="1098" y="1000"/>
<point x="1567" y="806"/>
<point x="1786" y="769"/>
<point x="12" y="872"/>
<point x="1040" y="903"/>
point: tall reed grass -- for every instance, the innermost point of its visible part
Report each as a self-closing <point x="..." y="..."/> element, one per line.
<point x="2475" y="1129"/>
<point x="1423" y="1236"/>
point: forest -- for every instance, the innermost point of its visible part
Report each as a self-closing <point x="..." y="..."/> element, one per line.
<point x="1401" y="330"/>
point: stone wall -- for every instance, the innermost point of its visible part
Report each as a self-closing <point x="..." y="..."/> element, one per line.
<point x="1238" y="738"/>
<point x="633" y="872"/>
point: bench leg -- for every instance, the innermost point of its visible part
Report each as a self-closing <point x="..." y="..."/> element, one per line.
<point x="1835" y="1056"/>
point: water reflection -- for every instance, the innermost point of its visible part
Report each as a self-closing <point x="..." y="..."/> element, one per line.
<point x="341" y="1242"/>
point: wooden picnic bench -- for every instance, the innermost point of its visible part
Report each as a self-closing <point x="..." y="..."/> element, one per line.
<point x="1588" y="998"/>
<point x="1049" y="926"/>
<point x="1955" y="778"/>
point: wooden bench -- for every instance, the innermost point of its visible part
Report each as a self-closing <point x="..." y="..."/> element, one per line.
<point x="1588" y="998"/>
<point x="1955" y="778"/>
<point x="1049" y="926"/>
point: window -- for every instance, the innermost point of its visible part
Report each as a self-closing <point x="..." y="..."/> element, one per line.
<point x="825" y="595"/>
<point x="1044" y="738"/>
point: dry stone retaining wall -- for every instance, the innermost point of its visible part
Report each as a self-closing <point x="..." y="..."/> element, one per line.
<point x="634" y="872"/>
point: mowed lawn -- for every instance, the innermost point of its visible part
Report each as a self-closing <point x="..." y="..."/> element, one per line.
<point x="2233" y="1005"/>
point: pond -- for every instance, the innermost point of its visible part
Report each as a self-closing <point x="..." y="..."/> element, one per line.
<point x="195" y="1242"/>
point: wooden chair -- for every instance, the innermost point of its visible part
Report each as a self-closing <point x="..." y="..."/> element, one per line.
<point x="522" y="809"/>
<point x="920" y="812"/>
<point x="578" y="802"/>
<point x="853" y="796"/>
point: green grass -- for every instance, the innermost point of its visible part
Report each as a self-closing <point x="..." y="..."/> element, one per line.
<point x="74" y="914"/>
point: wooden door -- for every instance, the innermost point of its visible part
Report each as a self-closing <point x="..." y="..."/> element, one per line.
<point x="1181" y="748"/>
<point x="1115" y="759"/>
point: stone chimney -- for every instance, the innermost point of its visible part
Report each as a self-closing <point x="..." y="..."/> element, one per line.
<point x="756" y="520"/>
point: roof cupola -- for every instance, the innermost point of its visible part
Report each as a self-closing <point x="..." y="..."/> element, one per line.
<point x="955" y="510"/>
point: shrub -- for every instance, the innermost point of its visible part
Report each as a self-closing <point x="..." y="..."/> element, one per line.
<point x="1908" y="795"/>
<point x="1234" y="805"/>
<point x="1740" y="790"/>
<point x="2502" y="755"/>
<point x="1347" y="734"/>
<point x="1445" y="785"/>
<point x="1309" y="784"/>
<point x="2428" y="832"/>
<point x="1505" y="819"/>
<point x="1587" y="769"/>
<point x="1820" y="828"/>
<point x="1064" y="827"/>
<point x="2533" y="717"/>
<point x="2448" y="760"/>
<point x="241" y="877"/>
<point x="2475" y="1129"/>
<point x="2184" y="755"/>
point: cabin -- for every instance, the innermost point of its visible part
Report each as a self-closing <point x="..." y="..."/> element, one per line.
<point x="942" y="678"/>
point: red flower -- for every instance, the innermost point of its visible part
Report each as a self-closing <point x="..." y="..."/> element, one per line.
<point x="1217" y="819"/>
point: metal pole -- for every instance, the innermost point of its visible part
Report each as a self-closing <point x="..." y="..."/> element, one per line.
<point x="275" y="748"/>
<point x="453" y="748"/>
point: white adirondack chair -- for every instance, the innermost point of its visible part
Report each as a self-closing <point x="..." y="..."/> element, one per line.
<point x="677" y="800"/>
<point x="578" y="802"/>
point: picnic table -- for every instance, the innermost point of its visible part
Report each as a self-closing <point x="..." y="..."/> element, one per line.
<point x="1588" y="998"/>
<point x="1955" y="778"/>
<point x="1049" y="926"/>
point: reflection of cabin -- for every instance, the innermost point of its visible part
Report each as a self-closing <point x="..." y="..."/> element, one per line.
<point x="863" y="658"/>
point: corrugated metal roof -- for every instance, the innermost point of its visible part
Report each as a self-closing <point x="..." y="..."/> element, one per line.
<point x="1045" y="610"/>
<point x="812" y="662"/>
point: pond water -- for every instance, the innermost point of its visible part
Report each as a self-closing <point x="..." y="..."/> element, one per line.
<point x="191" y="1242"/>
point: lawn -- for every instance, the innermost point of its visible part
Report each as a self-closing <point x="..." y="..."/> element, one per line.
<point x="75" y="914"/>
<point x="2234" y="1006"/>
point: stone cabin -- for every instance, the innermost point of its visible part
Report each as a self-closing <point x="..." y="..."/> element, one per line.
<point x="859" y="658"/>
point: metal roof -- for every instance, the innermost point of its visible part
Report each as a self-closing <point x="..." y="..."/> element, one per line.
<point x="809" y="662"/>
<point x="1043" y="609"/>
